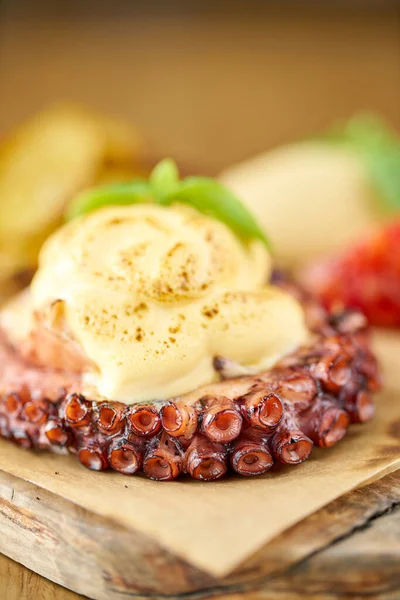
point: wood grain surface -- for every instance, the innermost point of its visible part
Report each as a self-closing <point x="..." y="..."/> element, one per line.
<point x="349" y="549"/>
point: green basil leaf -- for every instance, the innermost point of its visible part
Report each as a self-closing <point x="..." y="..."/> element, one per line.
<point x="212" y="198"/>
<point x="363" y="131"/>
<point x="379" y="149"/>
<point x="203" y="193"/>
<point x="164" y="178"/>
<point x="91" y="199"/>
<point x="369" y="131"/>
<point x="383" y="169"/>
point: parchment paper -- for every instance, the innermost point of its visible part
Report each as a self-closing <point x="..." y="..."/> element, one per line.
<point x="215" y="526"/>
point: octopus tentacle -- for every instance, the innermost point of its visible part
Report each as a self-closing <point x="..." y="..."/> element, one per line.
<point x="5" y="429"/>
<point x="109" y="417"/>
<point x="289" y="444"/>
<point x="366" y="365"/>
<point x="125" y="456"/>
<point x="296" y="387"/>
<point x="164" y="459"/>
<point x="357" y="401"/>
<point x="333" y="371"/>
<point x="22" y="438"/>
<point x="228" y="369"/>
<point x="56" y="433"/>
<point x="250" y="454"/>
<point x="144" y="420"/>
<point x="244" y="422"/>
<point x="262" y="408"/>
<point x="324" y="422"/>
<point x="179" y="419"/>
<point x="12" y="404"/>
<point x="221" y="420"/>
<point x="94" y="456"/>
<point x="206" y="460"/>
<point x="36" y="412"/>
<point x="77" y="411"/>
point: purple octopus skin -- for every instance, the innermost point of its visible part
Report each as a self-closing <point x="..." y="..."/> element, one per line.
<point x="244" y="423"/>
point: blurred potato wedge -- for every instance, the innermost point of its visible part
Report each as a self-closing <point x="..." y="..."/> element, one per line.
<point x="43" y="164"/>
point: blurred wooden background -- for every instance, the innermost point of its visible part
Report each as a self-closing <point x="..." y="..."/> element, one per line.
<point x="207" y="82"/>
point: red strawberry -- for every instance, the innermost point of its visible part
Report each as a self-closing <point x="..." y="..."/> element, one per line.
<point x="366" y="276"/>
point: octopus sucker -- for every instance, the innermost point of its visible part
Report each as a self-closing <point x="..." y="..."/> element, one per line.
<point x="243" y="424"/>
<point x="290" y="447"/>
<point x="262" y="408"/>
<point x="179" y="419"/>
<point x="206" y="460"/>
<point x="144" y="420"/>
<point x="35" y="412"/>
<point x="125" y="457"/>
<point x="299" y="388"/>
<point x="110" y="417"/>
<point x="22" y="438"/>
<point x="94" y="457"/>
<point x="77" y="411"/>
<point x="324" y="422"/>
<point x="250" y="454"/>
<point x="357" y="401"/>
<point x="164" y="459"/>
<point x="221" y="421"/>
<point x="56" y="434"/>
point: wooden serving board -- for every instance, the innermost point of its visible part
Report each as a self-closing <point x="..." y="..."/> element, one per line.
<point x="112" y="537"/>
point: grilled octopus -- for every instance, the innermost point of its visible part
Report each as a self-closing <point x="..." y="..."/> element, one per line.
<point x="243" y="423"/>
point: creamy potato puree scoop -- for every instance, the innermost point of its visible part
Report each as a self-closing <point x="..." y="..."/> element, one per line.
<point x="149" y="295"/>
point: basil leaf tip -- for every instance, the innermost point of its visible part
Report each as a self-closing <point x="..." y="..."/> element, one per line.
<point x="379" y="148"/>
<point x="164" y="178"/>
